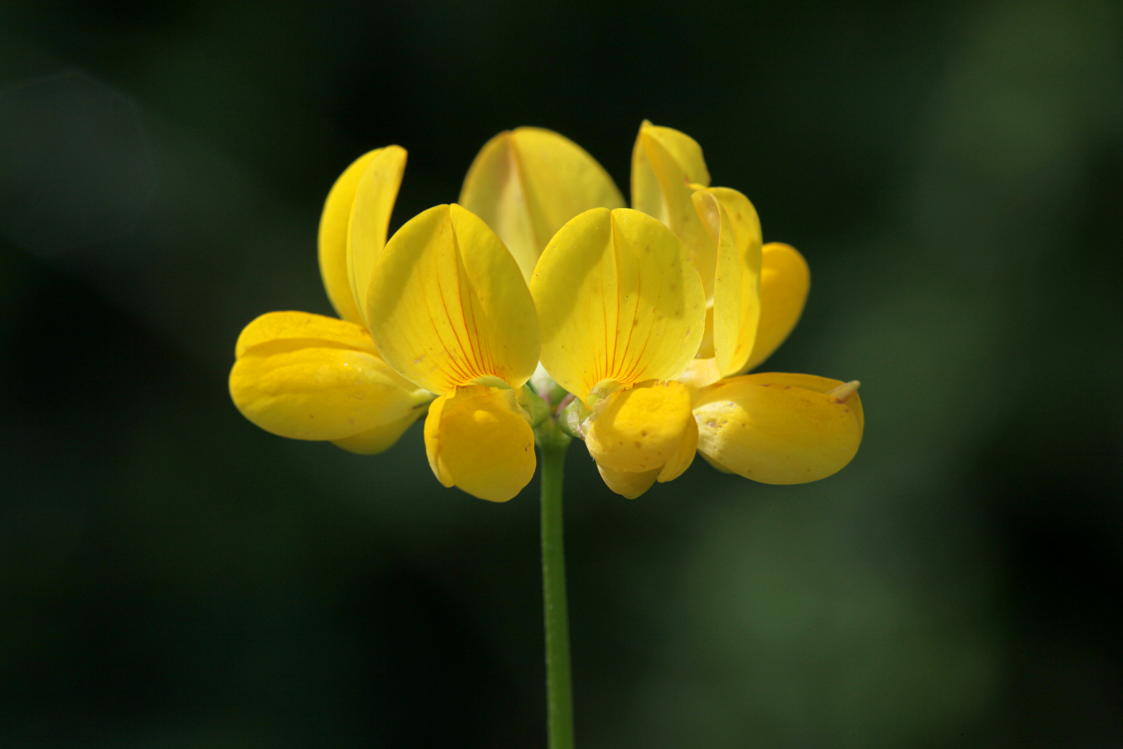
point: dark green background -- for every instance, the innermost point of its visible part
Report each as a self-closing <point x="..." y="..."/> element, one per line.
<point x="172" y="576"/>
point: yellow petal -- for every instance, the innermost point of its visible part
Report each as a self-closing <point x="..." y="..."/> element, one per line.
<point x="302" y="329"/>
<point x="706" y="347"/>
<point x="779" y="428"/>
<point x="448" y="305"/>
<point x="316" y="392"/>
<point x="819" y="385"/>
<point x="526" y="183"/>
<point x="379" y="438"/>
<point x="639" y="429"/>
<point x="659" y="154"/>
<point x="666" y="167"/>
<point x="628" y="485"/>
<point x="784" y="283"/>
<point x="334" y="223"/>
<point x="717" y="466"/>
<point x="735" y="231"/>
<point x="699" y="373"/>
<point x="370" y="217"/>
<point x="616" y="301"/>
<point x="683" y="455"/>
<point x="632" y="485"/>
<point x="478" y="439"/>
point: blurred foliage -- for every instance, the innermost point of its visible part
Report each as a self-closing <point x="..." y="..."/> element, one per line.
<point x="173" y="577"/>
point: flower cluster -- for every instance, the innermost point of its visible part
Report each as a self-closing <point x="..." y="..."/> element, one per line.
<point x="540" y="299"/>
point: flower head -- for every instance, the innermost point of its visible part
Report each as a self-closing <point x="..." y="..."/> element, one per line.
<point x="450" y="312"/>
<point x="772" y="427"/>
<point x="640" y="322"/>
<point x="312" y="377"/>
<point x="622" y="313"/>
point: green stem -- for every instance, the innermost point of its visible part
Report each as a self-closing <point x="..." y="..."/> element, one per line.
<point x="559" y="691"/>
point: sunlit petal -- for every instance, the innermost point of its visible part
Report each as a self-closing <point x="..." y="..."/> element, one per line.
<point x="699" y="373"/>
<point x="779" y="428"/>
<point x="717" y="466"/>
<point x="683" y="455"/>
<point x="639" y="429"/>
<point x="370" y="217"/>
<point x="318" y="392"/>
<point x="616" y="301"/>
<point x="735" y="232"/>
<point x="667" y="166"/>
<point x="628" y="485"/>
<point x="334" y="223"/>
<point x="784" y="283"/>
<point x="302" y="329"/>
<point x="448" y="305"/>
<point x="526" y="183"/>
<point x="478" y="439"/>
<point x="664" y="157"/>
<point x="379" y="438"/>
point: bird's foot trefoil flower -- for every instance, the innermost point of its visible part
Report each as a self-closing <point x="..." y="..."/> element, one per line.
<point x="541" y="304"/>
<point x="771" y="427"/>
<point x="539" y="309"/>
<point x="621" y="314"/>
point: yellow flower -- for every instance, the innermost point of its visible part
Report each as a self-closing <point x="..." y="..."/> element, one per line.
<point x="440" y="311"/>
<point x="526" y="183"/>
<point x="642" y="329"/>
<point x="439" y="316"/>
<point x="451" y="313"/>
<point x="312" y="377"/>
<point x="774" y="428"/>
<point x="645" y="318"/>
<point x="621" y="313"/>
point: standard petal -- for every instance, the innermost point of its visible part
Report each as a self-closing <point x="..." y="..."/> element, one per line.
<point x="661" y="154"/>
<point x="478" y="439"/>
<point x="735" y="231"/>
<point x="639" y="429"/>
<point x="370" y="217"/>
<point x="779" y="428"/>
<point x="526" y="183"/>
<point x="302" y="329"/>
<point x="381" y="437"/>
<point x="627" y="485"/>
<point x="666" y="168"/>
<point x="448" y="305"/>
<point x="784" y="283"/>
<point x="616" y="301"/>
<point x="317" y="392"/>
<point x="334" y="223"/>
